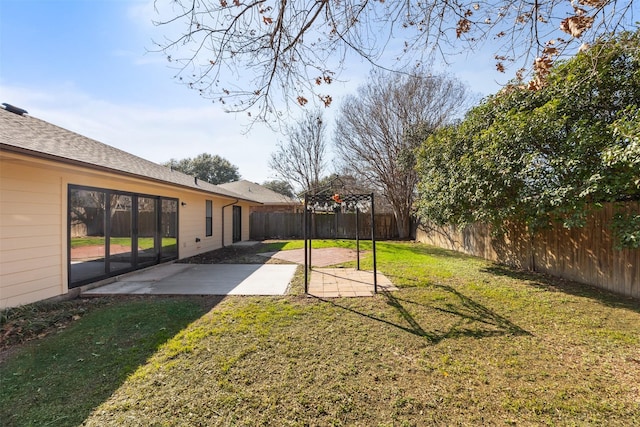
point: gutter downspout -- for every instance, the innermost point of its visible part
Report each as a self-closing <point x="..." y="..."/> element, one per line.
<point x="230" y="204"/>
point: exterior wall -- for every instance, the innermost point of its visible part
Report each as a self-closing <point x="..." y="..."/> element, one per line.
<point x="33" y="222"/>
<point x="31" y="227"/>
<point x="191" y="224"/>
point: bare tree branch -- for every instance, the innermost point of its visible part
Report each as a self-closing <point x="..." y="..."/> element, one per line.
<point x="378" y="130"/>
<point x="264" y="56"/>
<point x="301" y="160"/>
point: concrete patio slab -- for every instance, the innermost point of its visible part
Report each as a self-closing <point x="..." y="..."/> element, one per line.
<point x="250" y="279"/>
<point x="202" y="279"/>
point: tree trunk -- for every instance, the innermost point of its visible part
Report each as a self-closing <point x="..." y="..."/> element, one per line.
<point x="403" y="220"/>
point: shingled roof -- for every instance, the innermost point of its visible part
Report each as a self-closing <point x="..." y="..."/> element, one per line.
<point x="258" y="193"/>
<point x="28" y="135"/>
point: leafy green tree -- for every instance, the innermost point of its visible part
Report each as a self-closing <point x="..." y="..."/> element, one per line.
<point x="210" y="168"/>
<point x="280" y="187"/>
<point x="545" y="155"/>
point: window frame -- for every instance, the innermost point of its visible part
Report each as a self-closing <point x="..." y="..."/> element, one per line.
<point x="208" y="218"/>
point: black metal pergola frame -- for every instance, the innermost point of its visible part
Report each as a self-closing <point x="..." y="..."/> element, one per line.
<point x="350" y="202"/>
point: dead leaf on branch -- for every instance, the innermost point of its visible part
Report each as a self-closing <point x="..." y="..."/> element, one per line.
<point x="324" y="78"/>
<point x="541" y="67"/>
<point x="593" y="3"/>
<point x="576" y="25"/>
<point x="579" y="11"/>
<point x="302" y="100"/>
<point x="464" y="26"/>
<point x="326" y="100"/>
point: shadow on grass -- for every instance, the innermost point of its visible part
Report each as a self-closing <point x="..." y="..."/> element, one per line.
<point x="556" y="284"/>
<point x="397" y="248"/>
<point x="60" y="379"/>
<point x="465" y="312"/>
<point x="273" y="246"/>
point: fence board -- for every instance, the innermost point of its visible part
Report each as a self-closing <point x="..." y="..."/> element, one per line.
<point x="280" y="225"/>
<point x="585" y="255"/>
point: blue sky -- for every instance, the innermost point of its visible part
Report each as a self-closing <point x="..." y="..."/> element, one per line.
<point x="84" y="65"/>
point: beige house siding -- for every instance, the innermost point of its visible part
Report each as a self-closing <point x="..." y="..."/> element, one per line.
<point x="33" y="222"/>
<point x="31" y="250"/>
<point x="246" y="211"/>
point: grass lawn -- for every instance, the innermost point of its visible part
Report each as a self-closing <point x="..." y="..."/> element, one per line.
<point x="463" y="342"/>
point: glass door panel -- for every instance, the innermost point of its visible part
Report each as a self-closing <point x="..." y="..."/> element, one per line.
<point x="148" y="243"/>
<point x="169" y="229"/>
<point x="86" y="235"/>
<point x="120" y="232"/>
<point x="237" y="223"/>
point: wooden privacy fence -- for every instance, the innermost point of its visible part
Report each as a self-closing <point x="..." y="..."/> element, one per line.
<point x="586" y="254"/>
<point x="279" y="225"/>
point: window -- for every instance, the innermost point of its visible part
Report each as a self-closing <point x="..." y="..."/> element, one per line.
<point x="209" y="218"/>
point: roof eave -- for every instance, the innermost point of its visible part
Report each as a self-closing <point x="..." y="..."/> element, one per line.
<point x="72" y="162"/>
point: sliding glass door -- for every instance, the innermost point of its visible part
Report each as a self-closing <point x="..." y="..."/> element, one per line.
<point x="112" y="232"/>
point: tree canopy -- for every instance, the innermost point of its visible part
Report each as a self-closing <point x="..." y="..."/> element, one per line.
<point x="289" y="51"/>
<point x="301" y="160"/>
<point x="546" y="155"/>
<point x="210" y="168"/>
<point x="378" y="130"/>
<point x="280" y="187"/>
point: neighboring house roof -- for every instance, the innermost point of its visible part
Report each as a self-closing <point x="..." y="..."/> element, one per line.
<point x="24" y="134"/>
<point x="257" y="192"/>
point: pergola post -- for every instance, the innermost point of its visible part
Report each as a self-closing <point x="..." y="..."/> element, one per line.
<point x="357" y="240"/>
<point x="304" y="234"/>
<point x="373" y="244"/>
